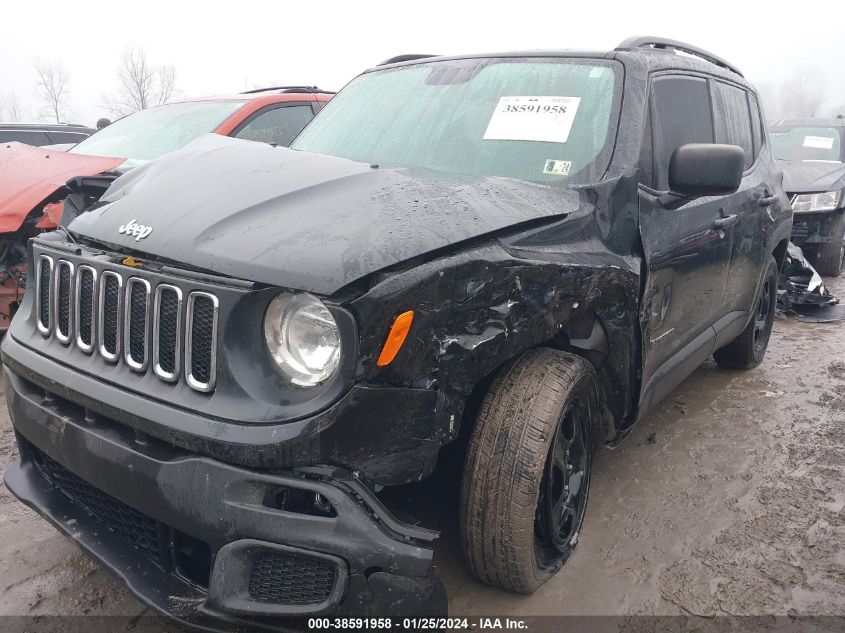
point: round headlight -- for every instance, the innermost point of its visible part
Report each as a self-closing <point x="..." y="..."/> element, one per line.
<point x="303" y="338"/>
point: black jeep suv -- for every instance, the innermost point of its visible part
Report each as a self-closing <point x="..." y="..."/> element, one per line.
<point x="814" y="178"/>
<point x="220" y="366"/>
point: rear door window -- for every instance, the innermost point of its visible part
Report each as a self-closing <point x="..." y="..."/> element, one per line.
<point x="278" y="126"/>
<point x="732" y="118"/>
<point x="680" y="114"/>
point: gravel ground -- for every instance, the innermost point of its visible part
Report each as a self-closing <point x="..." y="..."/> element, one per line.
<point x="729" y="499"/>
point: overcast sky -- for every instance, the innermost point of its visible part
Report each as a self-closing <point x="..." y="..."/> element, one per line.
<point x="221" y="48"/>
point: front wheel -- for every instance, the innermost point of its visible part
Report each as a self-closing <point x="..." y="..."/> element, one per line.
<point x="527" y="470"/>
<point x="748" y="349"/>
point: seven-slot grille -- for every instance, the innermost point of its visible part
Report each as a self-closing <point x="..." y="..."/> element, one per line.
<point x="128" y="319"/>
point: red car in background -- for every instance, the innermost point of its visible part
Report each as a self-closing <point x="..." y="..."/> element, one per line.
<point x="34" y="182"/>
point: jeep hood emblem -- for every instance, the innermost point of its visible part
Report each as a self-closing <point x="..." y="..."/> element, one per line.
<point x="140" y="231"/>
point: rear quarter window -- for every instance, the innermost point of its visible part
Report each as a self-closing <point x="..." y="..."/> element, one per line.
<point x="757" y="127"/>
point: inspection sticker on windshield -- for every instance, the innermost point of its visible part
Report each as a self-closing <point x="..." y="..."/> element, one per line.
<point x="546" y="119"/>
<point x="557" y="167"/>
<point x="818" y="142"/>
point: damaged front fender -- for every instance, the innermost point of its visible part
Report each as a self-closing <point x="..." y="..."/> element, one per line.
<point x="555" y="284"/>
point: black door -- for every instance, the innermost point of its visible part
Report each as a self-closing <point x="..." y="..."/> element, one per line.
<point x="737" y="122"/>
<point x="687" y="250"/>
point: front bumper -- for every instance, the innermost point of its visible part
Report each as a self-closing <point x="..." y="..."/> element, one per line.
<point x="207" y="542"/>
<point x="387" y="433"/>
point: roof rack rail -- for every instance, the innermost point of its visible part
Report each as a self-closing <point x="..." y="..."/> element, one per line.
<point x="666" y="44"/>
<point x="404" y="58"/>
<point x="287" y="89"/>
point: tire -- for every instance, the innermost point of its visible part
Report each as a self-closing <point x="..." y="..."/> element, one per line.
<point x="830" y="257"/>
<point x="748" y="349"/>
<point x="529" y="460"/>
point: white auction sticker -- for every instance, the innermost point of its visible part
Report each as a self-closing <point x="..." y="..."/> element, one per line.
<point x="546" y="119"/>
<point x="818" y="142"/>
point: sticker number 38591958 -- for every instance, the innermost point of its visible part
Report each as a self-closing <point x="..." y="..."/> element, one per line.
<point x="546" y="119"/>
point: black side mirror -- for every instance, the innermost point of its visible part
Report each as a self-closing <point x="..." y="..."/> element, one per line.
<point x="703" y="169"/>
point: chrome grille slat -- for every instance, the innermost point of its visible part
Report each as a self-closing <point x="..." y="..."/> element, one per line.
<point x="167" y="330"/>
<point x="130" y="319"/>
<point x="108" y="313"/>
<point x="63" y="300"/>
<point x="136" y="322"/>
<point x="44" y="294"/>
<point x="201" y="340"/>
<point x="85" y="295"/>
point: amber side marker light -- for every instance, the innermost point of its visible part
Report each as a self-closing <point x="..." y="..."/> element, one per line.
<point x="398" y="332"/>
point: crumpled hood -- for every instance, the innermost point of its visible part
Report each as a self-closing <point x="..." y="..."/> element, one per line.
<point x="800" y="176"/>
<point x="29" y="175"/>
<point x="299" y="220"/>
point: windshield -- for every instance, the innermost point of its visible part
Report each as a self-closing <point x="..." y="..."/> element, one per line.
<point x="548" y="120"/>
<point x="806" y="143"/>
<point x="147" y="134"/>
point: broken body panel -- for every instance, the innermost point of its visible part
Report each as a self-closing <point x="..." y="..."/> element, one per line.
<point x="30" y="179"/>
<point x="801" y="288"/>
<point x="30" y="176"/>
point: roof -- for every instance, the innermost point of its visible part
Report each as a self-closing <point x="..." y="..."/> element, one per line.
<point x="657" y="54"/>
<point x="57" y="127"/>
<point x="284" y="94"/>
<point x="289" y="89"/>
<point x="665" y="45"/>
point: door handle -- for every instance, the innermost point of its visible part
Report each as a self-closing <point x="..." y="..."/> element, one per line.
<point x="766" y="201"/>
<point x="725" y="222"/>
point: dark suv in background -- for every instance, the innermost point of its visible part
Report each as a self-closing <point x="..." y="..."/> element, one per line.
<point x="813" y="151"/>
<point x="39" y="134"/>
<point x="233" y="358"/>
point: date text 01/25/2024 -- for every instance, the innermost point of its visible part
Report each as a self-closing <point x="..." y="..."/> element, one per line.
<point x="417" y="624"/>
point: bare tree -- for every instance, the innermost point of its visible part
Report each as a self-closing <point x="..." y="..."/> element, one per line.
<point x="53" y="87"/>
<point x="10" y="108"/>
<point x="142" y="84"/>
<point x="803" y="94"/>
<point x="166" y="83"/>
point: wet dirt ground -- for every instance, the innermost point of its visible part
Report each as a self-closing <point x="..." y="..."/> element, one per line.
<point x="728" y="499"/>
